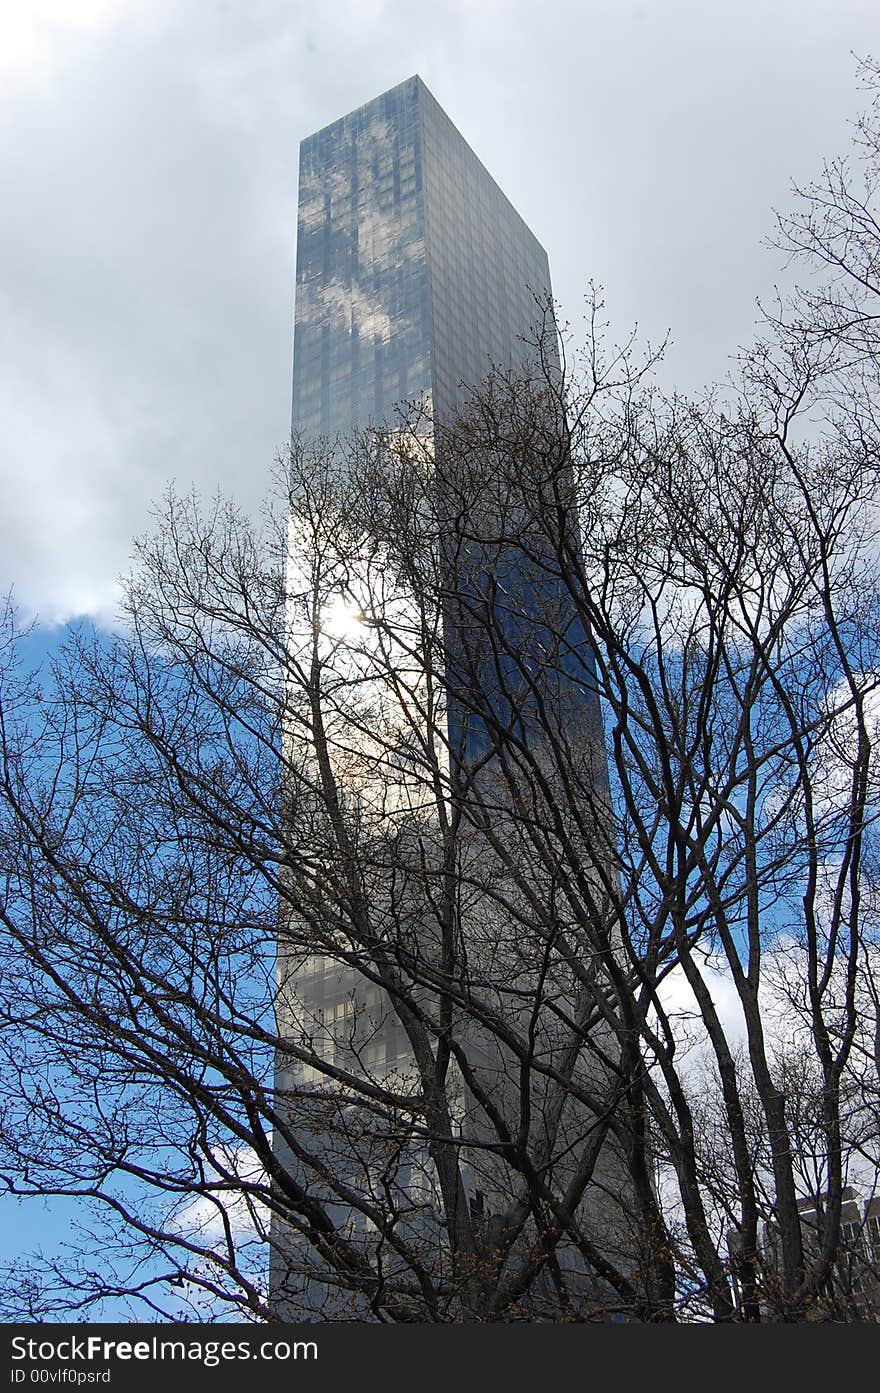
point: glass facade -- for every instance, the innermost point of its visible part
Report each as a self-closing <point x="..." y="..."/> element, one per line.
<point x="414" y="276"/>
<point x="362" y="333"/>
<point x="414" y="273"/>
<point x="485" y="267"/>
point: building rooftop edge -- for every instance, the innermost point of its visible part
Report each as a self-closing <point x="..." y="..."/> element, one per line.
<point x="416" y="78"/>
<point x="346" y="116"/>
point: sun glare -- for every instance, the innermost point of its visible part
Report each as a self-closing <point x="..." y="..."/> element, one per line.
<point x="342" y="620"/>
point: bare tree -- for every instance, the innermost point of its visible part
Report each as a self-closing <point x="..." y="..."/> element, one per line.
<point x="550" y="731"/>
<point x="728" y="583"/>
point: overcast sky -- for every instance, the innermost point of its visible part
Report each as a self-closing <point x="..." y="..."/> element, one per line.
<point x="148" y="167"/>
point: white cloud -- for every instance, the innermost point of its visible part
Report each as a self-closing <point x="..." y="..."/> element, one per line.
<point x="836" y="758"/>
<point x="148" y="158"/>
<point x="783" y="999"/>
<point x="32" y="34"/>
<point x="204" y="1217"/>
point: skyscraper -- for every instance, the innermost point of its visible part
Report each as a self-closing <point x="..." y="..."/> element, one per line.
<point x="413" y="271"/>
<point x="415" y="276"/>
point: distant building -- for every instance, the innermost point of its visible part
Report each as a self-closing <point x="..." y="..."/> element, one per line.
<point x="852" y="1292"/>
